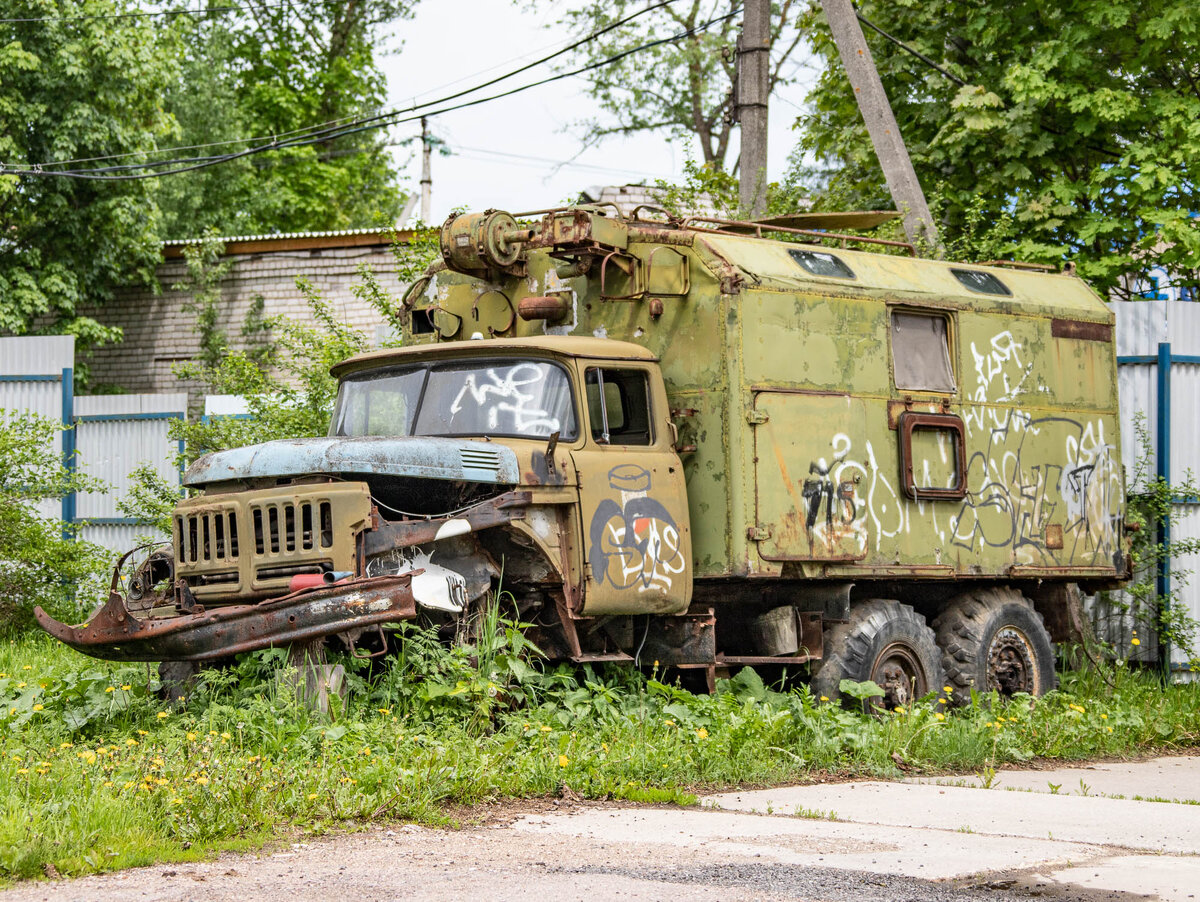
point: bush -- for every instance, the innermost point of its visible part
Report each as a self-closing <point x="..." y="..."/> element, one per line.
<point x="40" y="562"/>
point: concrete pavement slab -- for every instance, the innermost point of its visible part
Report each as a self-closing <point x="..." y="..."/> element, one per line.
<point x="818" y="843"/>
<point x="1173" y="779"/>
<point x="1100" y="821"/>
<point x="1164" y="877"/>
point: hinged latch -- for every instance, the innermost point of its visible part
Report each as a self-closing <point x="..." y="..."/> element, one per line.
<point x="757" y="417"/>
<point x="758" y="533"/>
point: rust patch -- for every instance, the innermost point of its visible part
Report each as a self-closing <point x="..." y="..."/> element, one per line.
<point x="1054" y="536"/>
<point x="1084" y="331"/>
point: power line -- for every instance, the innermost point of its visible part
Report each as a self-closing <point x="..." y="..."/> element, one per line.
<point x="366" y="124"/>
<point x="146" y="13"/>
<point x="918" y="54"/>
<point x="311" y="130"/>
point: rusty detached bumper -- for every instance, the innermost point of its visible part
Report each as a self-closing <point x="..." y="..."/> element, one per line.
<point x="116" y="634"/>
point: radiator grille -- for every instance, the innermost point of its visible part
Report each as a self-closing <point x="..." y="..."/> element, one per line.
<point x="207" y="537"/>
<point x="285" y="527"/>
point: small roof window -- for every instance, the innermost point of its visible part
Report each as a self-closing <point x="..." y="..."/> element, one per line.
<point x="821" y="264"/>
<point x="983" y="282"/>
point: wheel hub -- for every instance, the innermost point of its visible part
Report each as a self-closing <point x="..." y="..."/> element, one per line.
<point x="1010" y="662"/>
<point x="899" y="674"/>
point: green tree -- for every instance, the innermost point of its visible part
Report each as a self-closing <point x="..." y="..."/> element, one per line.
<point x="38" y="563"/>
<point x="682" y="88"/>
<point x="70" y="89"/>
<point x="1075" y="133"/>
<point x="271" y="71"/>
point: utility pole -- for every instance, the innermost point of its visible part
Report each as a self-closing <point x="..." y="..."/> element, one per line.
<point x="753" y="88"/>
<point x="426" y="171"/>
<point x="881" y="124"/>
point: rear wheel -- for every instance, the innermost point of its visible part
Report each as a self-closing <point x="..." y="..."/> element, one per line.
<point x="886" y="642"/>
<point x="993" y="639"/>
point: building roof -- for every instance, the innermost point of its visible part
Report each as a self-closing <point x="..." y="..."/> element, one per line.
<point x="294" y="241"/>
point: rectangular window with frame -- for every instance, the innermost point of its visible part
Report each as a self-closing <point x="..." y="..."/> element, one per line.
<point x="921" y="351"/>
<point x="619" y="406"/>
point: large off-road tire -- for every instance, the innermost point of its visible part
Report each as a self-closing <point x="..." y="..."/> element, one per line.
<point x="994" y="639"/>
<point x="886" y="642"/>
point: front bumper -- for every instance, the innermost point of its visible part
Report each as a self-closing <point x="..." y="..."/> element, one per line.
<point x="115" y="634"/>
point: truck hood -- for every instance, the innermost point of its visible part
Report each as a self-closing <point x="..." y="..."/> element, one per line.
<point x="431" y="458"/>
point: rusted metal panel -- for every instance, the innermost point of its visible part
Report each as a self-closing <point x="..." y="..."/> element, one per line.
<point x="1079" y="329"/>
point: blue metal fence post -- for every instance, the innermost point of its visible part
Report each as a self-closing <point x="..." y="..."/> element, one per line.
<point x="68" y="448"/>
<point x="1162" y="456"/>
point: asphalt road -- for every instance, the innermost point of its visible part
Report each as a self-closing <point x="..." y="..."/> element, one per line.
<point x="1091" y="833"/>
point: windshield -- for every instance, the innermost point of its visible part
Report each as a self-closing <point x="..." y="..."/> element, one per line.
<point x="527" y="399"/>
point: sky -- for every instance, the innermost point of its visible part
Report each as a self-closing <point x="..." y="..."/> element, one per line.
<point x="505" y="154"/>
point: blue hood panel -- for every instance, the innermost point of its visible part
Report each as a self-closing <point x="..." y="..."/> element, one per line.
<point x="430" y="458"/>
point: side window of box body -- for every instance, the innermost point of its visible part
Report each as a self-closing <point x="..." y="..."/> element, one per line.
<point x="922" y="350"/>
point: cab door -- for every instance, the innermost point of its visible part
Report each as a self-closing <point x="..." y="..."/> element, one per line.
<point x="636" y="535"/>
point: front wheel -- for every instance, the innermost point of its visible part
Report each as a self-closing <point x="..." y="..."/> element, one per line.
<point x="887" y="643"/>
<point x="993" y="639"/>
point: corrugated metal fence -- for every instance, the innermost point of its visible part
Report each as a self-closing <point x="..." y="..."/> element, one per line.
<point x="112" y="436"/>
<point x="1158" y="357"/>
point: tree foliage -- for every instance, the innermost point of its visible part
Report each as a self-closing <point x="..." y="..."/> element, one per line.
<point x="70" y="89"/>
<point x="269" y="72"/>
<point x="682" y="88"/>
<point x="1076" y="133"/>
<point x="38" y="564"/>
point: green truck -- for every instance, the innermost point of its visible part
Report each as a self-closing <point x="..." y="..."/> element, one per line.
<point x="697" y="443"/>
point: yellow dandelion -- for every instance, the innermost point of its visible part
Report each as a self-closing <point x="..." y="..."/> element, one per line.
<point x="1135" y="641"/>
<point x="1104" y="717"/>
<point x="940" y="716"/>
<point x="3" y="675"/>
<point x="22" y="770"/>
<point x="385" y="711"/>
<point x="131" y="741"/>
<point x="143" y="733"/>
<point x="604" y="746"/>
<point x="202" y="780"/>
<point x="670" y="723"/>
<point x="89" y="757"/>
<point x="20" y="685"/>
<point x="16" y="757"/>
<point x="1109" y="729"/>
<point x="702" y="733"/>
<point x="66" y="745"/>
<point x="111" y="689"/>
<point x="544" y="728"/>
<point x="162" y="781"/>
<point x="37" y="707"/>
<point x="949" y="690"/>
<point x="163" y="715"/>
<point x="108" y="782"/>
<point x="191" y="737"/>
<point x="941" y="701"/>
<point x="563" y="760"/>
<point x="125" y="687"/>
<point x="311" y="796"/>
<point x="899" y="709"/>
<point x="366" y="750"/>
<point x="27" y="667"/>
<point x="824" y="698"/>
<point x="226" y="736"/>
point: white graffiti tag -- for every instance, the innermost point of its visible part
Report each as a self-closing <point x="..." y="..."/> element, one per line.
<point x="507" y="394"/>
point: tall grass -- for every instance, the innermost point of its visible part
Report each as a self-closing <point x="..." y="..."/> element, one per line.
<point x="96" y="773"/>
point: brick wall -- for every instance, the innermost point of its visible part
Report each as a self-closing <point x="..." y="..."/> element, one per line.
<point x="160" y="333"/>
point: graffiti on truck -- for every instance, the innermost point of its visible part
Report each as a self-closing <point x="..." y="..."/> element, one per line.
<point x="511" y="398"/>
<point x="1024" y="473"/>
<point x="635" y="543"/>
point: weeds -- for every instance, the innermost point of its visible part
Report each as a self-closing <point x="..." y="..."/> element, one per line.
<point x="96" y="773"/>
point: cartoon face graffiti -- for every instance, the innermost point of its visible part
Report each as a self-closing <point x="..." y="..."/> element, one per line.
<point x="635" y="543"/>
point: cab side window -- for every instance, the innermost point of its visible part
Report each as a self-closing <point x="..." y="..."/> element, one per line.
<point x="619" y="406"/>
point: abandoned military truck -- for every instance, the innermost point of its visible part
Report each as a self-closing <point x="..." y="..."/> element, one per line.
<point x="700" y="443"/>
